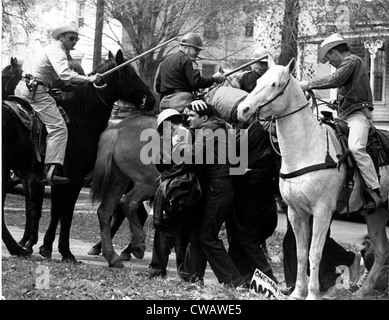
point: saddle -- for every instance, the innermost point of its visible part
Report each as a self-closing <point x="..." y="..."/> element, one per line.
<point x="377" y="148"/>
<point x="28" y="117"/>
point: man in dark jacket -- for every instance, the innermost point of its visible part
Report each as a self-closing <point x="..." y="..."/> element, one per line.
<point x="178" y="76"/>
<point x="255" y="216"/>
<point x="248" y="80"/>
<point x="212" y="169"/>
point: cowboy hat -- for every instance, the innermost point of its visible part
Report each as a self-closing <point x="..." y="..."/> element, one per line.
<point x="63" y="29"/>
<point x="331" y="42"/>
<point x="260" y="53"/>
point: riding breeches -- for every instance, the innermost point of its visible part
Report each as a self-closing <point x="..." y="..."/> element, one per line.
<point x="46" y="108"/>
<point x="359" y="127"/>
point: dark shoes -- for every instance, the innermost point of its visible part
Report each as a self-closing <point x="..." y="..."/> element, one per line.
<point x="51" y="175"/>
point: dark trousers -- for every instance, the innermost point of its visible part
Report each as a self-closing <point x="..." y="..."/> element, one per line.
<point x="255" y="220"/>
<point x="166" y="238"/>
<point x="333" y="255"/>
<point x="205" y="245"/>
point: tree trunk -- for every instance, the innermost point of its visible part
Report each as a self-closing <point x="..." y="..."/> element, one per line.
<point x="289" y="32"/>
<point x="98" y="32"/>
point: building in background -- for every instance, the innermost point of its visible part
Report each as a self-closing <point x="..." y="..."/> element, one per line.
<point x="51" y="14"/>
<point x="368" y="38"/>
<point x="224" y="48"/>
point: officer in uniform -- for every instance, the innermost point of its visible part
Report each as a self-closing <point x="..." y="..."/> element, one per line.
<point x="178" y="76"/>
<point x="248" y="80"/>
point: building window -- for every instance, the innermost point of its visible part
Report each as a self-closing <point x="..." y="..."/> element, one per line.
<point x="249" y="28"/>
<point x="81" y="13"/>
<point x="379" y="73"/>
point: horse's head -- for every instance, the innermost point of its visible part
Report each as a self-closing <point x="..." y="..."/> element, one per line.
<point x="233" y="79"/>
<point x="273" y="92"/>
<point x="10" y="77"/>
<point x="125" y="83"/>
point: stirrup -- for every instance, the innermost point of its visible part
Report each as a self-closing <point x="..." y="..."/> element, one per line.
<point x="53" y="179"/>
<point x="378" y="202"/>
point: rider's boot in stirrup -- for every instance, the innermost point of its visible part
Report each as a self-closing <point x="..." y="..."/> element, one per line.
<point x="374" y="200"/>
<point x="52" y="176"/>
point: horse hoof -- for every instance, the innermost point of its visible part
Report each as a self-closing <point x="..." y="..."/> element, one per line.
<point x="94" y="252"/>
<point x="125" y="256"/>
<point x="116" y="263"/>
<point x="28" y="250"/>
<point x="22" y="243"/>
<point x="138" y="250"/>
<point x="71" y="260"/>
<point x="45" y="253"/>
<point x="24" y="252"/>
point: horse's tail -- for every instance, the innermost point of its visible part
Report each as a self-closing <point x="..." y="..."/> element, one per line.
<point x="103" y="165"/>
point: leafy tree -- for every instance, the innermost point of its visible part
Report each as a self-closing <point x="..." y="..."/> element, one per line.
<point x="149" y="23"/>
<point x="20" y="16"/>
<point x="100" y="6"/>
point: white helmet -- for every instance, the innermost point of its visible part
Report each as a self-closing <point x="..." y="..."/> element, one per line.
<point x="166" y="114"/>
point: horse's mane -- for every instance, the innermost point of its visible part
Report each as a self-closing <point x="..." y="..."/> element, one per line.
<point x="111" y="63"/>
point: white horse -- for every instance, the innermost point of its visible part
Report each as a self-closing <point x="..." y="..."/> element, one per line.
<point x="305" y="143"/>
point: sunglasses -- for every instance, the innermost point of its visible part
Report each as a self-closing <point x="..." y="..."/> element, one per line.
<point x="73" y="38"/>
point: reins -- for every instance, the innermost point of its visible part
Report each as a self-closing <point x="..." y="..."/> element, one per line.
<point x="272" y="120"/>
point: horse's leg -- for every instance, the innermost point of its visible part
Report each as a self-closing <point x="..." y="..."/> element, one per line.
<point x="376" y="227"/>
<point x="126" y="253"/>
<point x="116" y="222"/>
<point x="27" y="199"/>
<point x="64" y="198"/>
<point x="131" y="202"/>
<point x="46" y="248"/>
<point x="300" y="226"/>
<point x="34" y="193"/>
<point x="321" y="223"/>
<point x="9" y="241"/>
<point x="116" y="187"/>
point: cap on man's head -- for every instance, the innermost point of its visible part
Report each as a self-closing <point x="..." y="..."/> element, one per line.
<point x="71" y="27"/>
<point x="193" y="40"/>
<point x="260" y="52"/>
<point x="331" y="42"/>
<point x="165" y="115"/>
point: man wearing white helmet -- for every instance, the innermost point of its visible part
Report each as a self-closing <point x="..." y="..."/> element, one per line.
<point x="172" y="224"/>
<point x="178" y="76"/>
<point x="355" y="106"/>
<point x="248" y="80"/>
<point x="39" y="76"/>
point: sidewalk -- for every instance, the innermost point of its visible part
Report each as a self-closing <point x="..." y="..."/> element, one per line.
<point x="80" y="248"/>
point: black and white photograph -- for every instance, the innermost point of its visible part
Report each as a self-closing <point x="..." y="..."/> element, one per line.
<point x="195" y="158"/>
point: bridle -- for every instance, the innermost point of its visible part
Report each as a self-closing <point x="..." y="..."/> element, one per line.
<point x="273" y="99"/>
<point x="142" y="106"/>
<point x="273" y="118"/>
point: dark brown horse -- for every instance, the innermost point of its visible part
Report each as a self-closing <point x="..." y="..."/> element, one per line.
<point x="121" y="179"/>
<point x="10" y="77"/>
<point x="89" y="111"/>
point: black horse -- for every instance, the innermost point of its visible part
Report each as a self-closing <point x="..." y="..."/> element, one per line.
<point x="88" y="110"/>
<point x="10" y="77"/>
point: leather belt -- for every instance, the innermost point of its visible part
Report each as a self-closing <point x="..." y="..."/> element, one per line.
<point x="37" y="81"/>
